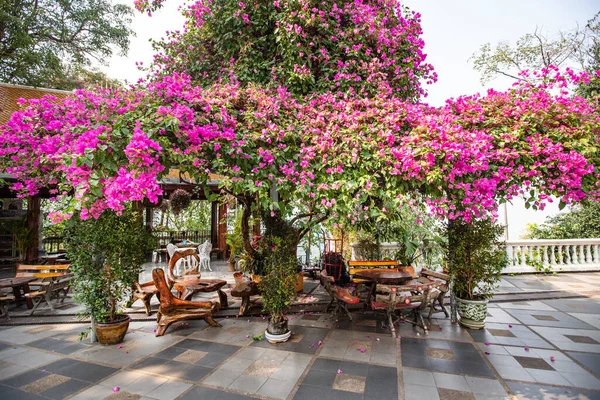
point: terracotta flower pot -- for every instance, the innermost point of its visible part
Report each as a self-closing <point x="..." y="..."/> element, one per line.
<point x="112" y="332"/>
<point x="299" y="285"/>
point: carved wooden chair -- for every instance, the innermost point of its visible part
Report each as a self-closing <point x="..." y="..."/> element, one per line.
<point x="173" y="309"/>
<point x="437" y="294"/>
<point x="144" y="292"/>
<point x="181" y="265"/>
<point x="394" y="299"/>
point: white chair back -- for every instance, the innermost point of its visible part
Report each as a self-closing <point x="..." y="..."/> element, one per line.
<point x="171" y="249"/>
<point x="204" y="253"/>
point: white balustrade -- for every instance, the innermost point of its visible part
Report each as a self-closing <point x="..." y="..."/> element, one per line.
<point x="553" y="255"/>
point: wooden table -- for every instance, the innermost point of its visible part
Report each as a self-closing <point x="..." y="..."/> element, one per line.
<point x="44" y="275"/>
<point x="391" y="277"/>
<point x="188" y="286"/>
<point x="16" y="284"/>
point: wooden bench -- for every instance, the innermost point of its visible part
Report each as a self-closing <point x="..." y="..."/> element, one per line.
<point x="354" y="266"/>
<point x="341" y="296"/>
<point x="5" y="299"/>
<point x="49" y="287"/>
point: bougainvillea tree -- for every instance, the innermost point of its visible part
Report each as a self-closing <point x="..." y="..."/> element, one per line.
<point x="335" y="139"/>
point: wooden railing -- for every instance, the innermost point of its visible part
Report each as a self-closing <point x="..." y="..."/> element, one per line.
<point x="166" y="237"/>
<point x="52" y="244"/>
<point x="553" y="255"/>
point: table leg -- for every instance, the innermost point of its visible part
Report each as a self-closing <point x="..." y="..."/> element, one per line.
<point x="245" y="301"/>
<point x="222" y="298"/>
<point x="186" y="294"/>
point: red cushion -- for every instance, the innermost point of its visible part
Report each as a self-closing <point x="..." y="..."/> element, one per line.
<point x="345" y="296"/>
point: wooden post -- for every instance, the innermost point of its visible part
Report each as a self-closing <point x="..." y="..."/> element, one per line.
<point x="149" y="218"/>
<point x="33" y="225"/>
<point x="214" y="223"/>
<point x="222" y="238"/>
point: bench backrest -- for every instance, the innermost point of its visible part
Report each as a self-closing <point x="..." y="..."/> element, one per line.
<point x="24" y="270"/>
<point x="356" y="266"/>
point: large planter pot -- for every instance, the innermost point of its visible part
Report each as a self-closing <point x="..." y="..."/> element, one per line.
<point x="472" y="313"/>
<point x="112" y="332"/>
<point x="299" y="285"/>
<point x="277" y="332"/>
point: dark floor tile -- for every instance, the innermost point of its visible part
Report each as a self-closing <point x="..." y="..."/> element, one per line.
<point x="149" y="364"/>
<point x="591" y="361"/>
<point x="448" y="366"/>
<point x="307" y="392"/>
<point x="412" y="342"/>
<point x="84" y="371"/>
<point x="311" y="317"/>
<point x="325" y="364"/>
<point x="476" y="369"/>
<point x="223" y="349"/>
<point x="57" y="345"/>
<point x="415" y="361"/>
<point x="212" y="394"/>
<point x="582" y="339"/>
<point x="65" y="389"/>
<point x="9" y="393"/>
<point x="211" y="360"/>
<point x="25" y="378"/>
<point x="536" y="363"/>
<point x="414" y="351"/>
<point x="382" y="387"/>
<point x="170" y="352"/>
<point x="357" y="369"/>
<point x="185" y="371"/>
<point x="436" y="344"/>
<point x="389" y="373"/>
<point x="320" y="378"/>
<point x="525" y="391"/>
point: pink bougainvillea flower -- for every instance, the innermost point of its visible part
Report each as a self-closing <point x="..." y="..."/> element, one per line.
<point x="526" y="348"/>
<point x="509" y="325"/>
<point x="487" y="343"/>
<point x="487" y="353"/>
<point x="552" y="358"/>
<point x="339" y="371"/>
<point x="116" y="389"/>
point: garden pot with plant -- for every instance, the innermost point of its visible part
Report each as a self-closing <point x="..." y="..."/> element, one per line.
<point x="476" y="257"/>
<point x="106" y="256"/>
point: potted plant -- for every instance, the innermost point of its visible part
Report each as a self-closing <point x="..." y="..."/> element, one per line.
<point x="277" y="286"/>
<point x="476" y="257"/>
<point x="106" y="256"/>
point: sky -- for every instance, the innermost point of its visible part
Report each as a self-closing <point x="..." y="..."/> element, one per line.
<point x="452" y="30"/>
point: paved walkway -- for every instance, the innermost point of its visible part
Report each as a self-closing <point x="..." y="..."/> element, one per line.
<point x="540" y="349"/>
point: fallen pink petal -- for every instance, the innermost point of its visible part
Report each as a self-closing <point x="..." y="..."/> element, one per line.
<point x="116" y="389"/>
<point x="487" y="343"/>
<point x="339" y="371"/>
<point x="552" y="358"/>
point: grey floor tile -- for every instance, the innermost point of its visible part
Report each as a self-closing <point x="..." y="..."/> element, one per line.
<point x="550" y="377"/>
<point x="415" y="392"/>
<point x="276" y="388"/>
<point x="515" y="373"/>
<point x="585" y="381"/>
<point x="83" y="371"/>
<point x="65" y="389"/>
<point x="525" y="391"/>
<point x="246" y="383"/>
<point x="307" y="392"/>
<point x="169" y="390"/>
<point x="449" y="381"/>
<point x="485" y="386"/>
<point x="416" y="377"/>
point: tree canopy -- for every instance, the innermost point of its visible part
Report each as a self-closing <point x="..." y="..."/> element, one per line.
<point x="47" y="42"/>
<point x="338" y="153"/>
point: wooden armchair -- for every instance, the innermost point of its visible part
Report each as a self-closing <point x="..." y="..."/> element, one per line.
<point x="173" y="309"/>
<point x="439" y="293"/>
<point x="188" y="259"/>
<point x="341" y="296"/>
<point x="397" y="298"/>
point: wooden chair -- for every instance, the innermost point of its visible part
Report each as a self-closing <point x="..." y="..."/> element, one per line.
<point x="48" y="288"/>
<point x="439" y="293"/>
<point x="397" y="298"/>
<point x="144" y="292"/>
<point x="173" y="309"/>
<point x="341" y="296"/>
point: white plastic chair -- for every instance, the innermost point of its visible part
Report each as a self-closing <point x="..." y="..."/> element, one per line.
<point x="204" y="253"/>
<point x="171" y="249"/>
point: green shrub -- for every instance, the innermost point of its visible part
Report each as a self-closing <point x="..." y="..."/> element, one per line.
<point x="476" y="257"/>
<point x="106" y="256"/>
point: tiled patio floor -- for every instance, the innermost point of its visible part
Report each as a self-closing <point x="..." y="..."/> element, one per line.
<point x="543" y="349"/>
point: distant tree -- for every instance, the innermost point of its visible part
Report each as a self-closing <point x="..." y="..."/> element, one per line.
<point x="578" y="48"/>
<point x="42" y="42"/>
<point x="583" y="221"/>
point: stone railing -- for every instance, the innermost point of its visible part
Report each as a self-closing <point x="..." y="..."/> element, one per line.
<point x="387" y="250"/>
<point x="553" y="255"/>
